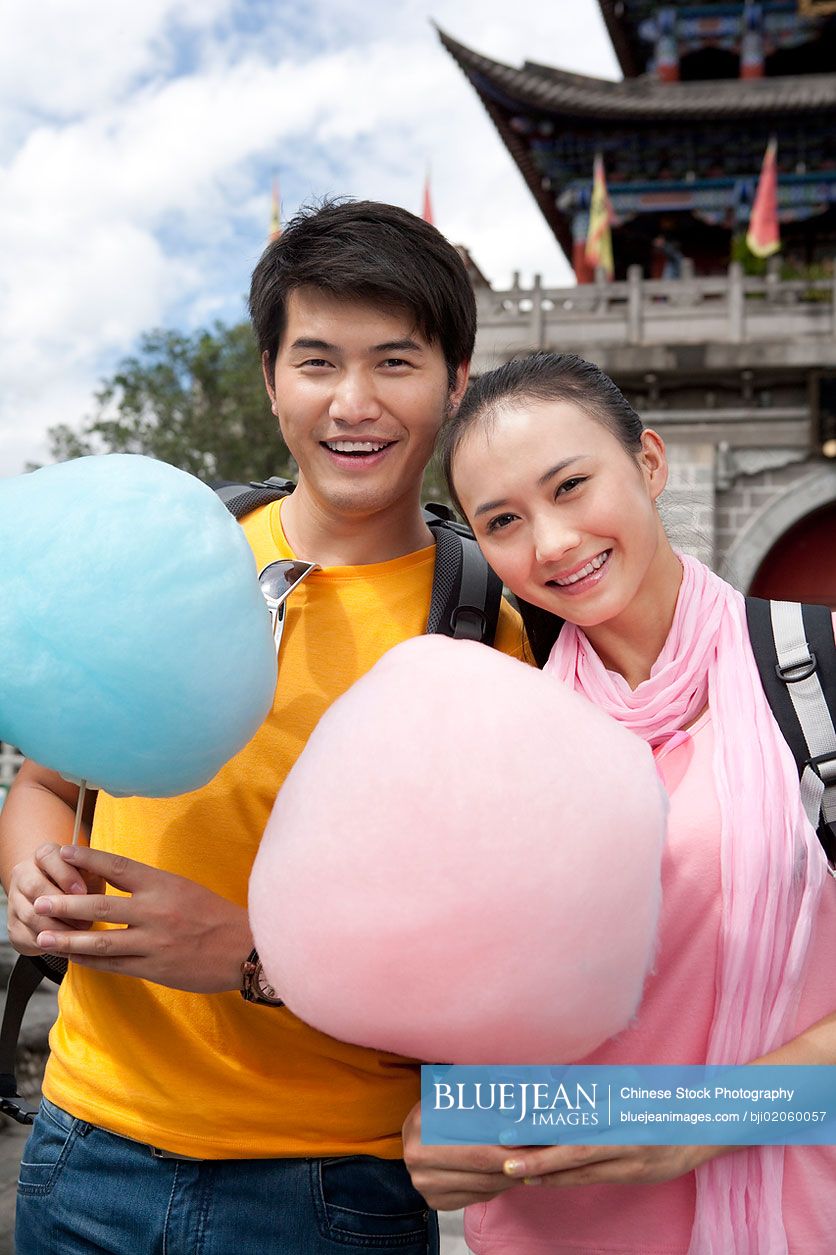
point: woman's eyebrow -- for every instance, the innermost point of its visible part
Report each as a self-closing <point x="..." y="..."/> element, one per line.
<point x="558" y="467"/>
<point x="487" y="506"/>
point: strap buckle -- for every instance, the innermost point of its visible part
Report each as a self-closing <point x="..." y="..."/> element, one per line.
<point x="797" y="671"/>
<point x="824" y="765"/>
<point x="469" y="623"/>
<point x="13" y="1105"/>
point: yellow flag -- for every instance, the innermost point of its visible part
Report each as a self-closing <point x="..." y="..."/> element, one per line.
<point x="275" y="213"/>
<point x="599" y="235"/>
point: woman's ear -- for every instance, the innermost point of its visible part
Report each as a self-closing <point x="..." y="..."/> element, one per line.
<point x="654" y="462"/>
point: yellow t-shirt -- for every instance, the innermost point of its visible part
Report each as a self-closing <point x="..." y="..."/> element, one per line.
<point x="211" y="1075"/>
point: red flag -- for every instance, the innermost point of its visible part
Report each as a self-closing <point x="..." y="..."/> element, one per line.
<point x="763" y="236"/>
<point x="427" y="211"/>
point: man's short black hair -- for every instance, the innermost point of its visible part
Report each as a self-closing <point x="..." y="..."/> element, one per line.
<point x="367" y="251"/>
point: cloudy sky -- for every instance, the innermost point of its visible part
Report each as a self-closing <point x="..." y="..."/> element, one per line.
<point x="138" y="143"/>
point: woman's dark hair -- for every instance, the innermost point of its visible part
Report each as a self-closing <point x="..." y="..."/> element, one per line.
<point x="367" y="251"/>
<point x="541" y="377"/>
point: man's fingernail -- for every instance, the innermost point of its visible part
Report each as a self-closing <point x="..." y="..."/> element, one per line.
<point x="78" y="886"/>
<point x="43" y="850"/>
<point x="532" y="1180"/>
<point x="69" y="852"/>
<point x="47" y="940"/>
<point x="513" y="1167"/>
<point x="43" y="905"/>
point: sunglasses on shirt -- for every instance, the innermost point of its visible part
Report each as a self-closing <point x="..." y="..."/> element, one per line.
<point x="277" y="581"/>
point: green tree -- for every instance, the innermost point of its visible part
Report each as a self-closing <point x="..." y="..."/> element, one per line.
<point x="195" y="401"/>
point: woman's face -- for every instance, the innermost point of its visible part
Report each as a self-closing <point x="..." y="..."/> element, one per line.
<point x="565" y="516"/>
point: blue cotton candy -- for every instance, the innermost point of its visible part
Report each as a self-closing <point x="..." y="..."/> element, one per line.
<point x="135" y="645"/>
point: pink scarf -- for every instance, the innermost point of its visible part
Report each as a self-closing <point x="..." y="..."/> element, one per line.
<point x="772" y="867"/>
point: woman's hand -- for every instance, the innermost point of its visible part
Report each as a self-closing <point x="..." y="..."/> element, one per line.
<point x="450" y="1177"/>
<point x="559" y="1166"/>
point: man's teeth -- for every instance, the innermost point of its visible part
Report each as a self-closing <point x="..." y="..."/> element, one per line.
<point x="357" y="446"/>
<point x="584" y="571"/>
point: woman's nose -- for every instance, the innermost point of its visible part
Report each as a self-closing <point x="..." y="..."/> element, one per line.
<point x="554" y="540"/>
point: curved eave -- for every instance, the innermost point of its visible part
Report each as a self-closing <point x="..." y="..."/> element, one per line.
<point x="558" y="222"/>
<point x="622" y="44"/>
<point x="548" y="90"/>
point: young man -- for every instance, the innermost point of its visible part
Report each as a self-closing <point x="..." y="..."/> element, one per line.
<point x="178" y="1116"/>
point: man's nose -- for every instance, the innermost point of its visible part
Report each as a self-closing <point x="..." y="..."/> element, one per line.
<point x="354" y="399"/>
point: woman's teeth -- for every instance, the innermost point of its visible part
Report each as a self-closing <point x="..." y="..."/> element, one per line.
<point x="594" y="565"/>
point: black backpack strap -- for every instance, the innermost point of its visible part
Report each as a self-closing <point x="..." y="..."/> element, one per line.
<point x="794" y="648"/>
<point x="241" y="499"/>
<point x="24" y="979"/>
<point x="466" y="594"/>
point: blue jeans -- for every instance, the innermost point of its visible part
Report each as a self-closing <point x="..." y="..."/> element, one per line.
<point x="84" y="1190"/>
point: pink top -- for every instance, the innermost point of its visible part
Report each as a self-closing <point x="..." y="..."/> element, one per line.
<point x="672" y="1027"/>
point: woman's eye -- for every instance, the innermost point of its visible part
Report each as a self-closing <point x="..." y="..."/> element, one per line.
<point x="501" y="520"/>
<point x="569" y="485"/>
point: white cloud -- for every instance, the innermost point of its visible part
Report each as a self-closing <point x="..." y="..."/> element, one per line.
<point x="134" y="176"/>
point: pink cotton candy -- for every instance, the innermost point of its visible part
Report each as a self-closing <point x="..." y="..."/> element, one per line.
<point x="463" y="865"/>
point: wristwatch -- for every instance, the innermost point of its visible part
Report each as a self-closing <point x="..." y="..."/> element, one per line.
<point x="254" y="983"/>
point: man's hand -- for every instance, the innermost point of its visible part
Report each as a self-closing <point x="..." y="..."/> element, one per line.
<point x="44" y="873"/>
<point x="173" y="931"/>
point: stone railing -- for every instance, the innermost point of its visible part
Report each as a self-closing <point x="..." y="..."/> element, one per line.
<point x="10" y="760"/>
<point x="731" y="308"/>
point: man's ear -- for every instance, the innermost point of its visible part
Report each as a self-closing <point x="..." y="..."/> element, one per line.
<point x="269" y="382"/>
<point x="459" y="387"/>
<point x="654" y="462"/>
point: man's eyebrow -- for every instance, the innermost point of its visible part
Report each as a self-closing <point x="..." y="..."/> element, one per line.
<point x="487" y="506"/>
<point x="306" y="342"/>
<point x="406" y="345"/>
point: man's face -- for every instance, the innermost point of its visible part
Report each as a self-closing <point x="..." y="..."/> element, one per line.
<point x="360" y="396"/>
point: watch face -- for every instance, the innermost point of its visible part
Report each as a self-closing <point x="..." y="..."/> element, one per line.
<point x="265" y="989"/>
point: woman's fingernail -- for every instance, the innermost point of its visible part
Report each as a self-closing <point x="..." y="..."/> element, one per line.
<point x="69" y="852"/>
<point x="78" y="886"/>
<point x="47" y="940"/>
<point x="43" y="905"/>
<point x="513" y="1167"/>
<point x="532" y="1180"/>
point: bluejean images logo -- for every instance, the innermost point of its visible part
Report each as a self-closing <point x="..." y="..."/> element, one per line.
<point x="665" y="1105"/>
<point x="543" y="1103"/>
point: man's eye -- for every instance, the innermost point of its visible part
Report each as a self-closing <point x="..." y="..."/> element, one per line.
<point x="396" y="361"/>
<point x="316" y="362"/>
<point x="501" y="520"/>
<point x="569" y="485"/>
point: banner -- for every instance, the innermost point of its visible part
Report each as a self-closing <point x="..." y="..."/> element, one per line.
<point x="622" y="1106"/>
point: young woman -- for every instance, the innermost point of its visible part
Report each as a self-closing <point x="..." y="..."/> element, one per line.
<point x="560" y="482"/>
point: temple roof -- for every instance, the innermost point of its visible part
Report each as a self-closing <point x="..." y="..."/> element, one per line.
<point x="546" y="89"/>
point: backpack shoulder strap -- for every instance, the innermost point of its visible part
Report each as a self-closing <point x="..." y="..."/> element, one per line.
<point x="241" y="499"/>
<point x="466" y="593"/>
<point x="794" y="648"/>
